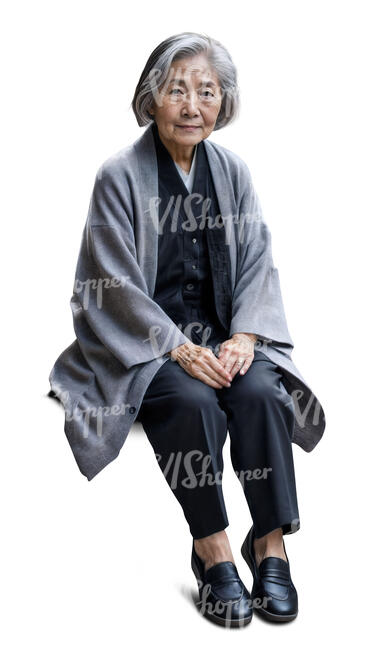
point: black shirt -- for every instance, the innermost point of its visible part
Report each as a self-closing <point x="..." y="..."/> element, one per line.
<point x="193" y="282"/>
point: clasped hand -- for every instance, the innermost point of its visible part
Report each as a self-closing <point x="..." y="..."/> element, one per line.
<point x="235" y="354"/>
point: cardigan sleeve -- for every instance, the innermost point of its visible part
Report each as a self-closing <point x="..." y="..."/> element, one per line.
<point x="109" y="286"/>
<point x="257" y="305"/>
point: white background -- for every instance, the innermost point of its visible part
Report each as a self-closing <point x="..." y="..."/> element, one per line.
<point x="106" y="563"/>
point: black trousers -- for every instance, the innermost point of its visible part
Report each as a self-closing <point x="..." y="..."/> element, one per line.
<point x="186" y="422"/>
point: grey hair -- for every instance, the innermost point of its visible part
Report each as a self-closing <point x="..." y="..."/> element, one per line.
<point x="177" y="47"/>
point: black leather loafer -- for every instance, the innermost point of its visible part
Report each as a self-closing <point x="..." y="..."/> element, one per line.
<point x="223" y="597"/>
<point x="272" y="584"/>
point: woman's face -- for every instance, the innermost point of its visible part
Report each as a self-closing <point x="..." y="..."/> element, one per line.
<point x="191" y="95"/>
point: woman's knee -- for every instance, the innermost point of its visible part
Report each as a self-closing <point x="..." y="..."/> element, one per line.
<point x="194" y="396"/>
<point x="264" y="388"/>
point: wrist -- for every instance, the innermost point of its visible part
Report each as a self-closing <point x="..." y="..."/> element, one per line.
<point x="251" y="337"/>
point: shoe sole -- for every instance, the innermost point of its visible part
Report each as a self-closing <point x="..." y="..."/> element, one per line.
<point x="225" y="622"/>
<point x="277" y="618"/>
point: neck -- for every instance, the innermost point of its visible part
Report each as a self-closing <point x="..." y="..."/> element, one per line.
<point x="181" y="154"/>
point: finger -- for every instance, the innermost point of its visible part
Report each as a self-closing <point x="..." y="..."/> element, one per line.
<point x="202" y="376"/>
<point x="247" y="364"/>
<point x="211" y="362"/>
<point x="203" y="364"/>
<point x="213" y="374"/>
<point x="228" y="359"/>
<point x="232" y="365"/>
<point x="243" y="365"/>
<point x="225" y="353"/>
<point x="238" y="364"/>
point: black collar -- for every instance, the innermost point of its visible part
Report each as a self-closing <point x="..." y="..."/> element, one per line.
<point x="169" y="174"/>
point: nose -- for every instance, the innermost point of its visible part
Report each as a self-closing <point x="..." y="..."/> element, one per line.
<point x="190" y="106"/>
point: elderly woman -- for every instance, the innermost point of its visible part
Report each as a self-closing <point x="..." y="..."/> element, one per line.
<point x="180" y="324"/>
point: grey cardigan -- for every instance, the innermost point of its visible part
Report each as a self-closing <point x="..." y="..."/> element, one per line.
<point x="122" y="334"/>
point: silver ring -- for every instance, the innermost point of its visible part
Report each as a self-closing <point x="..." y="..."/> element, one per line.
<point x="240" y="360"/>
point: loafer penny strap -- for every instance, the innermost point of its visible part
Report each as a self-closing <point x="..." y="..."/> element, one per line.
<point x="273" y="571"/>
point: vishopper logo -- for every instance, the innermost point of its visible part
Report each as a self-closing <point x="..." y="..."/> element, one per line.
<point x="172" y="340"/>
<point x="302" y="416"/>
<point x="159" y="89"/>
<point x="174" y="332"/>
<point x="218" y="607"/>
<point x="296" y="395"/>
<point x="84" y="415"/>
<point x="262" y="345"/>
<point x="255" y="474"/>
<point x="97" y="284"/>
<point x="170" y="219"/>
<point x="181" y="464"/>
<point x="245" y="231"/>
<point x="193" y="222"/>
<point x="203" y="332"/>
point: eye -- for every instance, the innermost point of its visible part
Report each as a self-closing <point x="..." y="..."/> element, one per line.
<point x="210" y="93"/>
<point x="174" y="91"/>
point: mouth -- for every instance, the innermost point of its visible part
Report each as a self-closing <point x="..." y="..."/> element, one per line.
<point x="187" y="127"/>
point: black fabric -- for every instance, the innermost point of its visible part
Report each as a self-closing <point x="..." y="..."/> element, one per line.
<point x="186" y="422"/>
<point x="193" y="283"/>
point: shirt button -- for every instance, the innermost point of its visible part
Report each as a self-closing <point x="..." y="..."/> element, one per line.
<point x="132" y="409"/>
<point x="194" y="266"/>
<point x="190" y="286"/>
<point x="194" y="240"/>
